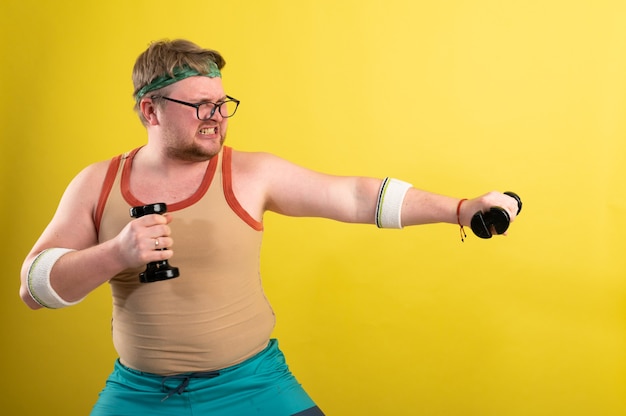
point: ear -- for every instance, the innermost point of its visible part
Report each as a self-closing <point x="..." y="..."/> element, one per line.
<point x="149" y="111"/>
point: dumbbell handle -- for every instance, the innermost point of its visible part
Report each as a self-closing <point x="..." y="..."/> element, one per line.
<point x="156" y="270"/>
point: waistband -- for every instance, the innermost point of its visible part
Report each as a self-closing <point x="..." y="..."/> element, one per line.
<point x="246" y="367"/>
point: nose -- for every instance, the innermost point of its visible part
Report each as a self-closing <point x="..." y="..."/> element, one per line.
<point x="214" y="110"/>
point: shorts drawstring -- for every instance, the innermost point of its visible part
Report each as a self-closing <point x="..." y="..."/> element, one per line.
<point x="186" y="378"/>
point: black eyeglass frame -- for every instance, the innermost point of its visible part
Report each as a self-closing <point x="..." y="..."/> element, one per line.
<point x="197" y="106"/>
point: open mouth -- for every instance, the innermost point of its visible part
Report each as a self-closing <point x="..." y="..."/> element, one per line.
<point x="208" y="130"/>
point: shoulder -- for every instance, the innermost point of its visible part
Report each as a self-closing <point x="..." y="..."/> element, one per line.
<point x="92" y="174"/>
<point x="87" y="184"/>
<point x="272" y="174"/>
<point x="259" y="163"/>
<point x="243" y="157"/>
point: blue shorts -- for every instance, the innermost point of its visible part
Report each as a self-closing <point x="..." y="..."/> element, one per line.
<point x="261" y="385"/>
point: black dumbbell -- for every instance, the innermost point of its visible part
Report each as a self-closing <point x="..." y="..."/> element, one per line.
<point x="496" y="219"/>
<point x="156" y="270"/>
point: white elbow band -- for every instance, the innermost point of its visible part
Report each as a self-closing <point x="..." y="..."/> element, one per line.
<point x="389" y="204"/>
<point x="38" y="278"/>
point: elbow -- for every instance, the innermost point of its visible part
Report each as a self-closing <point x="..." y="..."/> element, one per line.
<point x="28" y="299"/>
<point x="24" y="292"/>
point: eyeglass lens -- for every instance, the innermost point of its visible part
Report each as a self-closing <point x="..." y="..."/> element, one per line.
<point x="226" y="109"/>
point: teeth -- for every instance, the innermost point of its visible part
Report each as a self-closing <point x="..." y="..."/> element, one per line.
<point x="208" y="130"/>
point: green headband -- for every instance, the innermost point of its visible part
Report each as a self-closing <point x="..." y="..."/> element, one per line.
<point x="179" y="73"/>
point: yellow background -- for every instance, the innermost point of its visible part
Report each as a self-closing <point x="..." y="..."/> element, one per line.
<point x="458" y="97"/>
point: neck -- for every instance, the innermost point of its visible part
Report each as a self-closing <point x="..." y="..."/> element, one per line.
<point x="168" y="162"/>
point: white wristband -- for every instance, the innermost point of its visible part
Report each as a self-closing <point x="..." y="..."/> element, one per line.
<point x="389" y="204"/>
<point x="39" y="286"/>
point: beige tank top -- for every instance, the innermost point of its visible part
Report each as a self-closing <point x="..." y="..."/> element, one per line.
<point x="215" y="314"/>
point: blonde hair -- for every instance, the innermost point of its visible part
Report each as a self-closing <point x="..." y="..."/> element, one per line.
<point x="165" y="58"/>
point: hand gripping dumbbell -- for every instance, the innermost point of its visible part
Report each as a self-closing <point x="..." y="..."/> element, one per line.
<point x="496" y="219"/>
<point x="156" y="270"/>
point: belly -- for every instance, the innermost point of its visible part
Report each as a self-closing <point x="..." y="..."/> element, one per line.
<point x="178" y="326"/>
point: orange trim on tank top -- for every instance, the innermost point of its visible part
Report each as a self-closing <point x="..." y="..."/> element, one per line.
<point x="229" y="194"/>
<point x="195" y="197"/>
<point x="107" y="184"/>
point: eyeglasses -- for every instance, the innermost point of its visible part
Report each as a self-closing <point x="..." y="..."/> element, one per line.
<point x="205" y="110"/>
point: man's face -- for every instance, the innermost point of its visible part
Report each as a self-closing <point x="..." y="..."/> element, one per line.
<point x="184" y="136"/>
